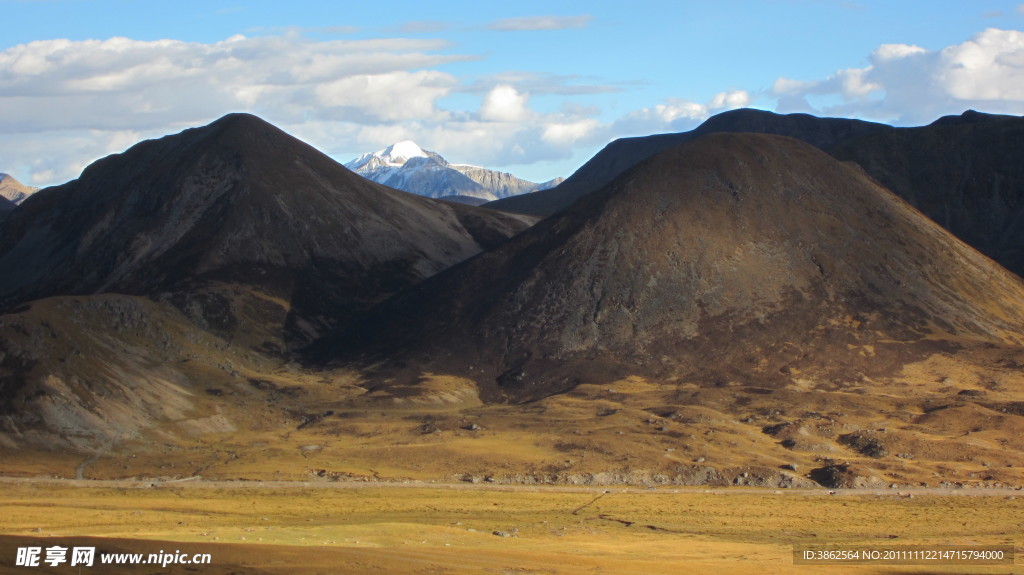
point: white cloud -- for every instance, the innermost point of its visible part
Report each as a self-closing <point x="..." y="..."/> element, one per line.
<point x="504" y="131"/>
<point x="895" y="51"/>
<point x="60" y="155"/>
<point x="65" y="103"/>
<point x="657" y="118"/>
<point x="988" y="67"/>
<point x="909" y="84"/>
<point x="565" y="134"/>
<point x="784" y="85"/>
<point x="855" y="83"/>
<point x="504" y="104"/>
<point x="538" y="83"/>
<point x="729" y="100"/>
<point x="181" y="78"/>
<point x="87" y="91"/>
<point x="507" y="131"/>
<point x="677" y="115"/>
<point x="540" y="23"/>
<point x="384" y="97"/>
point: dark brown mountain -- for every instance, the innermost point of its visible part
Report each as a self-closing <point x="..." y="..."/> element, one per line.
<point x="732" y="258"/>
<point x="6" y="207"/>
<point x="965" y="172"/>
<point x="467" y="200"/>
<point x="246" y="229"/>
<point x="962" y="171"/>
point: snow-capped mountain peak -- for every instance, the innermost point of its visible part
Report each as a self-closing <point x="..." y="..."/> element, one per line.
<point x="393" y="156"/>
<point x="401" y="152"/>
<point x="406" y="166"/>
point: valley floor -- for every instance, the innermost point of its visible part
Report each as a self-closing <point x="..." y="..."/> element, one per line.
<point x="352" y="527"/>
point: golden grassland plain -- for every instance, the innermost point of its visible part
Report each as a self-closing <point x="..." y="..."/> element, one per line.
<point x="322" y="475"/>
<point x="361" y="528"/>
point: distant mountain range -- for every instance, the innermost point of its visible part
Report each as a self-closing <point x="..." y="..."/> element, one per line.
<point x="963" y="171"/>
<point x="407" y="167"/>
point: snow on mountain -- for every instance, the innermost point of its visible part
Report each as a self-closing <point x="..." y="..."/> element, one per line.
<point x="394" y="156"/>
<point x="408" y="167"/>
<point x="403" y="151"/>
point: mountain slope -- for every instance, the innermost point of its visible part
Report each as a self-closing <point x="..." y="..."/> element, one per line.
<point x="502" y="184"/>
<point x="13" y="190"/>
<point x="85" y="373"/>
<point x="735" y="257"/>
<point x="231" y="221"/>
<point x="407" y="167"/>
<point x="963" y="171"/>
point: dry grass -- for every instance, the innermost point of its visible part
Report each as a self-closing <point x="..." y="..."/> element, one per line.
<point x="291" y="425"/>
<point x="448" y="530"/>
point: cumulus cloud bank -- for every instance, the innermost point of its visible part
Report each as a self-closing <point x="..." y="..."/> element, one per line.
<point x="83" y="97"/>
<point x="677" y="114"/>
<point x="66" y="103"/>
<point x="124" y="83"/>
<point x="910" y="85"/>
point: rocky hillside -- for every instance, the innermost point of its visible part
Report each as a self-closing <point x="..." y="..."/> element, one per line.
<point x="963" y="171"/>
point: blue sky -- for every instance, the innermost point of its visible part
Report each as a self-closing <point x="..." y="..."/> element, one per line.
<point x="535" y="88"/>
